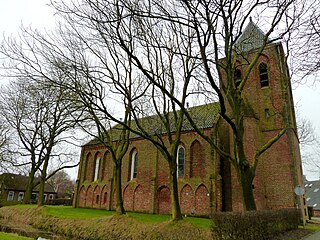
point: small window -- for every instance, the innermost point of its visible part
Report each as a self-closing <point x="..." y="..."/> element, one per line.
<point x="20" y="196"/>
<point x="180" y="162"/>
<point x="314" y="205"/>
<point x="316" y="190"/>
<point x="97" y="199"/>
<point x="264" y="80"/>
<point x="134" y="165"/>
<point x="10" y="195"/>
<point x="51" y="196"/>
<point x="237" y="77"/>
<point x="45" y="197"/>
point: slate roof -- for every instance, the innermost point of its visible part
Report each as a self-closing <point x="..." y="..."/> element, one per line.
<point x="205" y="116"/>
<point x="251" y="38"/>
<point x="312" y="193"/>
<point x="17" y="182"/>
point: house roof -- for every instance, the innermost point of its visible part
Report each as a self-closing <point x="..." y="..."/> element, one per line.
<point x="17" y="182"/>
<point x="312" y="193"/>
<point x="251" y="38"/>
<point x="204" y="116"/>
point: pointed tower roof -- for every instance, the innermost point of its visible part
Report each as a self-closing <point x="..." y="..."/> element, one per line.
<point x="251" y="38"/>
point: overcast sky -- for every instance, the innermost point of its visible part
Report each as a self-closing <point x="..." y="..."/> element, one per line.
<point x="37" y="14"/>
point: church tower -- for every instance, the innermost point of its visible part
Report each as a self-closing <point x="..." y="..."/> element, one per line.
<point x="268" y="95"/>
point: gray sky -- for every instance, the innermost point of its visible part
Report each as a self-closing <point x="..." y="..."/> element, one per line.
<point x="37" y="14"/>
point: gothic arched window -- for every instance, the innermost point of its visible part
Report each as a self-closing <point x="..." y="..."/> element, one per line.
<point x="264" y="80"/>
<point x="97" y="169"/>
<point x="134" y="165"/>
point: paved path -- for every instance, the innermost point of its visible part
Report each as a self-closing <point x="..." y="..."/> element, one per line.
<point x="314" y="236"/>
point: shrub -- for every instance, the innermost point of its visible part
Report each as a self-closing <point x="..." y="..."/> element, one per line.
<point x="254" y="224"/>
<point x="60" y="201"/>
<point x="8" y="203"/>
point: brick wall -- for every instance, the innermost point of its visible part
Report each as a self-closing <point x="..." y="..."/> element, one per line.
<point x="150" y="190"/>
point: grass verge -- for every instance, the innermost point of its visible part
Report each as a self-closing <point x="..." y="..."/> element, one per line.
<point x="10" y="236"/>
<point x="80" y="223"/>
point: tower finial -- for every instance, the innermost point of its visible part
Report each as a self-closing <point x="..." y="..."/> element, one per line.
<point x="250" y="19"/>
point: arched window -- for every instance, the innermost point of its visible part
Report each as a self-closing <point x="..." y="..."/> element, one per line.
<point x="237" y="77"/>
<point x="97" y="169"/>
<point x="134" y="165"/>
<point x="263" y="69"/>
<point x="180" y="161"/>
<point x="105" y="197"/>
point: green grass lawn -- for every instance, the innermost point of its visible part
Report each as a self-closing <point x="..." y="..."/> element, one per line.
<point x="149" y="218"/>
<point x="200" y="222"/>
<point x="10" y="236"/>
<point x="87" y="213"/>
<point x="76" y="213"/>
<point x="314" y="227"/>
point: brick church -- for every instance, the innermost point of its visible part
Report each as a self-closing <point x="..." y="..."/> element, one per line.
<point x="206" y="181"/>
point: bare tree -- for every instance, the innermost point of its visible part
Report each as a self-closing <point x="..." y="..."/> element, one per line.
<point x="62" y="184"/>
<point x="62" y="62"/>
<point x="39" y="116"/>
<point x="306" y="132"/>
<point x="214" y="30"/>
<point x="309" y="144"/>
<point x="114" y="138"/>
<point x="148" y="98"/>
<point x="305" y="45"/>
<point x="104" y="87"/>
<point x="4" y="141"/>
<point x="233" y="105"/>
<point x="104" y="84"/>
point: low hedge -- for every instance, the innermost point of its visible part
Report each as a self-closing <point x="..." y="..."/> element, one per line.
<point x="60" y="201"/>
<point x="254" y="224"/>
<point x="8" y="203"/>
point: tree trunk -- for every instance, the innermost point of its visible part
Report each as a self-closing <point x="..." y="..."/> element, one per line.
<point x="119" y="202"/>
<point x="175" y="206"/>
<point x="41" y="190"/>
<point x="111" y="195"/>
<point x="43" y="180"/>
<point x="244" y="170"/>
<point x="29" y="187"/>
<point x="246" y="180"/>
